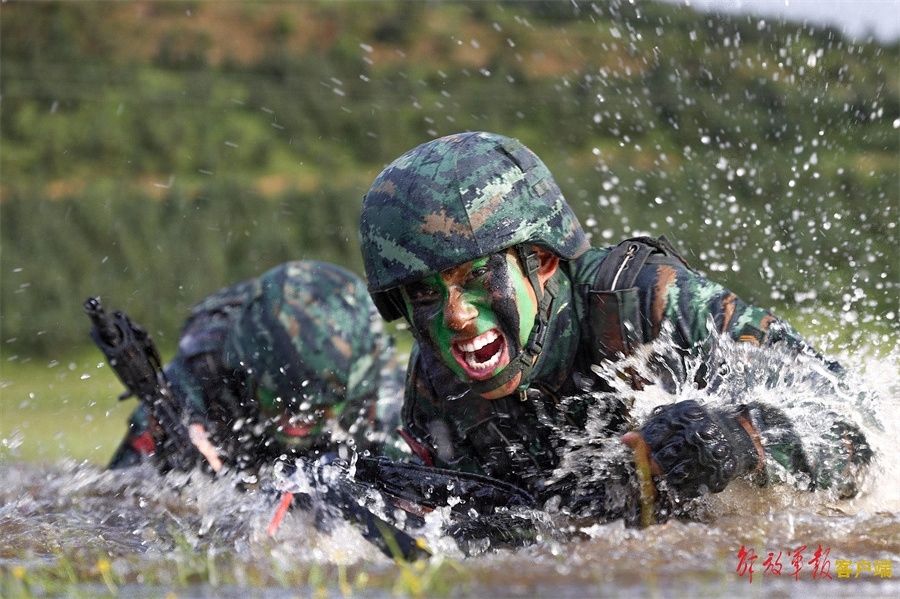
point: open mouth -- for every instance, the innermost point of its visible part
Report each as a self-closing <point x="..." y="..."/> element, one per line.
<point x="293" y="426"/>
<point x="296" y="430"/>
<point x="481" y="356"/>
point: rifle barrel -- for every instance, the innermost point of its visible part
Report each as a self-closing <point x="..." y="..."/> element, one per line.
<point x="102" y="322"/>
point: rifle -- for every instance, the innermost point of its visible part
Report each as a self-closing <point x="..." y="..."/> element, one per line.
<point x="501" y="516"/>
<point x="432" y="487"/>
<point x="485" y="511"/>
<point x="132" y="355"/>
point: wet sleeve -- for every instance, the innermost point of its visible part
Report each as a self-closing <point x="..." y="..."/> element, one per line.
<point x="836" y="458"/>
<point x="694" y="306"/>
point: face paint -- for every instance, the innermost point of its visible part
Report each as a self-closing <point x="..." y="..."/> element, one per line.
<point x="476" y="316"/>
<point x="294" y="428"/>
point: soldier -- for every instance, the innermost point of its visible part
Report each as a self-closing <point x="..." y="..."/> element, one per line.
<point x="291" y="362"/>
<point x="469" y="238"/>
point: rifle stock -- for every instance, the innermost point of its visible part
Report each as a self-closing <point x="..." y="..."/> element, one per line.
<point x="133" y="356"/>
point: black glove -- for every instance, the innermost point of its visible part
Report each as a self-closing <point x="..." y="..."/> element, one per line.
<point x="696" y="447"/>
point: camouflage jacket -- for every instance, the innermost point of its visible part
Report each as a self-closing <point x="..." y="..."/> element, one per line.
<point x="569" y="407"/>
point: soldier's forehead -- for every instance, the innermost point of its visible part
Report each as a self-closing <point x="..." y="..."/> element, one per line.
<point x="465" y="266"/>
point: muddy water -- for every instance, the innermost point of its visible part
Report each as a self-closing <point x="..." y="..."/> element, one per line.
<point x="73" y="528"/>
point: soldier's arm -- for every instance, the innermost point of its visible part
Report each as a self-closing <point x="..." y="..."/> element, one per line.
<point x="836" y="458"/>
<point x="188" y="389"/>
<point x="757" y="437"/>
<point x="695" y="307"/>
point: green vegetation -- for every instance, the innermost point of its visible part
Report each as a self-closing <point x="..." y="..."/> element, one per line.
<point x="154" y="152"/>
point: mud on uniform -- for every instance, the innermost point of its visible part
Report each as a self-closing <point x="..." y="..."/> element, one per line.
<point x="470" y="195"/>
<point x="302" y="339"/>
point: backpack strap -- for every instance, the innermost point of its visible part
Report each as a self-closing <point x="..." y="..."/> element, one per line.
<point x="621" y="266"/>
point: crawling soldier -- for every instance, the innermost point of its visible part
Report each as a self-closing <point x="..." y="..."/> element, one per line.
<point x="291" y="362"/>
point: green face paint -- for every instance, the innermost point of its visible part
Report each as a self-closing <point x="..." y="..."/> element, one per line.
<point x="476" y="317"/>
<point x="267" y="402"/>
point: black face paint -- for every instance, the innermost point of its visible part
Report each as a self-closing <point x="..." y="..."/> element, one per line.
<point x="506" y="299"/>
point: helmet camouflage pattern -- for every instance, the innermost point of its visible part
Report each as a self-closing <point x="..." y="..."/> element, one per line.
<point x="310" y="338"/>
<point x="455" y="199"/>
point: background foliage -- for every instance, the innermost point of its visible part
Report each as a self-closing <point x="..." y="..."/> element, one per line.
<point x="154" y="152"/>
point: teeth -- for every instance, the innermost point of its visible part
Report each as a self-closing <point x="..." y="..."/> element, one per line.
<point x="478" y="342"/>
<point x="490" y="364"/>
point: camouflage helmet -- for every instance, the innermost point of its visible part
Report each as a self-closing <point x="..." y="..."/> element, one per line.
<point x="311" y="341"/>
<point x="453" y="200"/>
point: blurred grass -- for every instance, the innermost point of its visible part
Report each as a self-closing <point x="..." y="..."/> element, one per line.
<point x="65" y="408"/>
<point x="185" y="570"/>
<point x="167" y="153"/>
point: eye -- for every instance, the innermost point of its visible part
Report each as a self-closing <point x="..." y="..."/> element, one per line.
<point x="478" y="273"/>
<point x="421" y="292"/>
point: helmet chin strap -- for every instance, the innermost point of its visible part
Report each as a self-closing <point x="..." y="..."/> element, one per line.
<point x="524" y="362"/>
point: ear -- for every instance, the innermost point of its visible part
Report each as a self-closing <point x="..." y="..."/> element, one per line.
<point x="548" y="264"/>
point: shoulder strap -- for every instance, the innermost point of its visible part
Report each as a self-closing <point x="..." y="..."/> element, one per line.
<point x="621" y="266"/>
<point x="614" y="304"/>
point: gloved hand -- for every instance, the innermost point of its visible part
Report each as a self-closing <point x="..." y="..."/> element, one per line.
<point x="695" y="448"/>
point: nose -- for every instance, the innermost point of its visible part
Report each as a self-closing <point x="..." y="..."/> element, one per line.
<point x="458" y="313"/>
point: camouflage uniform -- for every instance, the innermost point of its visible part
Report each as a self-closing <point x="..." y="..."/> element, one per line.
<point x="447" y="202"/>
<point x="302" y="339"/>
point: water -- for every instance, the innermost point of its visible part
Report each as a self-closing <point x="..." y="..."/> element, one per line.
<point x="73" y="528"/>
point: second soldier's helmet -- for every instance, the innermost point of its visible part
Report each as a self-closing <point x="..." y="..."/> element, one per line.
<point x="312" y="343"/>
<point x="453" y="200"/>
